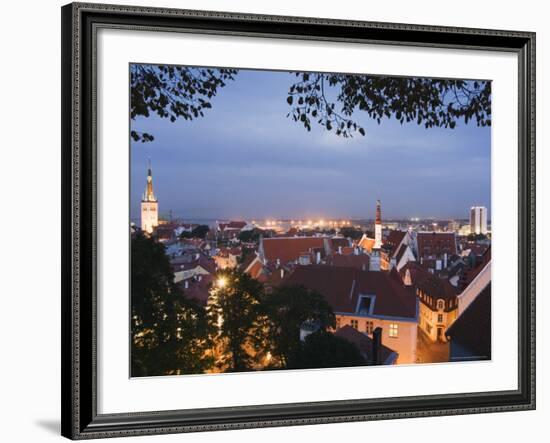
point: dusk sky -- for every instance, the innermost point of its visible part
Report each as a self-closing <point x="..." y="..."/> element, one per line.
<point x="246" y="160"/>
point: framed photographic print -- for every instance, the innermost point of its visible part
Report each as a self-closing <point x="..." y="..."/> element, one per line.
<point x="273" y="221"/>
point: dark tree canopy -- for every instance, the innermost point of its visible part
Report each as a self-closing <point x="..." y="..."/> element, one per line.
<point x="173" y="91"/>
<point x="199" y="231"/>
<point x="250" y="235"/>
<point x="331" y="100"/>
<point x="167" y="329"/>
<point x="287" y="309"/>
<point x="325" y="350"/>
<point x="235" y="320"/>
<point x="353" y="233"/>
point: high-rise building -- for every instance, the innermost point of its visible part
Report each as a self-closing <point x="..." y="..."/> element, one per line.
<point x="149" y="206"/>
<point x="478" y="220"/>
<point x="378" y="227"/>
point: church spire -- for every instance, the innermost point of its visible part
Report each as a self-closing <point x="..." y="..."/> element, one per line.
<point x="149" y="195"/>
<point x="378" y="213"/>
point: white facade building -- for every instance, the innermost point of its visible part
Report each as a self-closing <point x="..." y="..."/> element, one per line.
<point x="478" y="220"/>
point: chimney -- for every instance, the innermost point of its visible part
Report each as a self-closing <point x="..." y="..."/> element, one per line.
<point x="376" y="358"/>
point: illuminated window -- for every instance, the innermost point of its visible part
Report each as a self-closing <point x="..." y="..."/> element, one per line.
<point x="440" y="304"/>
<point x="354" y="324"/>
<point x="440" y="318"/>
<point x="394" y="330"/>
<point x="369" y="327"/>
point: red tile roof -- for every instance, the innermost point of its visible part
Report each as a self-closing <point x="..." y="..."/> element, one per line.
<point x="353" y="261"/>
<point x="339" y="242"/>
<point x="436" y="243"/>
<point x="348" y="250"/>
<point x="235" y="225"/>
<point x="416" y="271"/>
<point x="198" y="290"/>
<point x="288" y="249"/>
<point x="342" y="287"/>
<point x="366" y="243"/>
<point x="393" y="240"/>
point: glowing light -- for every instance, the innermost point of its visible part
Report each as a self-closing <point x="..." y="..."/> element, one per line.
<point x="221" y="282"/>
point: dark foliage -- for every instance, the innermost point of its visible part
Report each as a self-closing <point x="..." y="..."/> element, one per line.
<point x="428" y="102"/>
<point x="235" y="321"/>
<point x="167" y="330"/>
<point x="329" y="100"/>
<point x="353" y="233"/>
<point x="251" y="235"/>
<point x="286" y="310"/>
<point x="325" y="350"/>
<point x="173" y="91"/>
<point x="197" y="232"/>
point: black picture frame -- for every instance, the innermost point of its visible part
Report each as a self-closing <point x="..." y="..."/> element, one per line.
<point x="79" y="171"/>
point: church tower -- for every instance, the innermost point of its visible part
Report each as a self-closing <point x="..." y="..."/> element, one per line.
<point x="149" y="206"/>
<point x="378" y="227"/>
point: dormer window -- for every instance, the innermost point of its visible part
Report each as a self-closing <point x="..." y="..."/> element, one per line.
<point x="366" y="304"/>
<point x="440" y="304"/>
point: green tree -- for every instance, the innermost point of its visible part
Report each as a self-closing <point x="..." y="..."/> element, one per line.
<point x="286" y="310"/>
<point x="168" y="331"/>
<point x="323" y="349"/>
<point x="235" y="320"/>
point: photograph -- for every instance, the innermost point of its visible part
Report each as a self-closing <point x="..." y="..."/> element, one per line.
<point x="303" y="220"/>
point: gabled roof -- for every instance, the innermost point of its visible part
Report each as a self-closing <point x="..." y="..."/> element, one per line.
<point x="473" y="273"/>
<point x="364" y="343"/>
<point x="437" y="288"/>
<point x="416" y="271"/>
<point x="436" y="243"/>
<point x="366" y="243"/>
<point x="393" y="240"/>
<point x="472" y="329"/>
<point x="232" y="225"/>
<point x="343" y="286"/>
<point x="400" y="253"/>
<point x="288" y="249"/>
